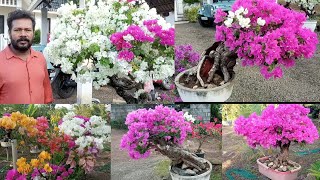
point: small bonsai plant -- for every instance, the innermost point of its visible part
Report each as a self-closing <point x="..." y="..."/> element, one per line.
<point x="203" y="131"/>
<point x="278" y="127"/>
<point x="307" y="6"/>
<point x="162" y="129"/>
<point x="259" y="32"/>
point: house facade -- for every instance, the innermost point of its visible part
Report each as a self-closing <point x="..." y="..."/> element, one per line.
<point x="7" y="6"/>
<point x="46" y="16"/>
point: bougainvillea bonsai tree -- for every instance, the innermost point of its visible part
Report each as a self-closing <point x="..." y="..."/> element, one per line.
<point x="164" y="130"/>
<point x="261" y="33"/>
<point x="203" y="131"/>
<point x="280" y="127"/>
<point x="122" y="42"/>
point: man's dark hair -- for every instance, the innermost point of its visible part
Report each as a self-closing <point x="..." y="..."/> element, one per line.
<point x="20" y="14"/>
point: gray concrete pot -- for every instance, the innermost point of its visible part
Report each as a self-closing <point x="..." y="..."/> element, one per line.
<point x="204" y="176"/>
<point x="217" y="94"/>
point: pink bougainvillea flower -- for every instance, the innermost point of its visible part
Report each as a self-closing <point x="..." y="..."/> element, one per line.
<point x="278" y="125"/>
<point x="145" y="126"/>
<point x="277" y="41"/>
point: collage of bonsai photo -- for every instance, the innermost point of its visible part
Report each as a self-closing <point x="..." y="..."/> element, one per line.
<point x="159" y="90"/>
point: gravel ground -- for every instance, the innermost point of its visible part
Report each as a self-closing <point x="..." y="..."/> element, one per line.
<point x="106" y="95"/>
<point x="299" y="84"/>
<point x="125" y="168"/>
<point x="237" y="154"/>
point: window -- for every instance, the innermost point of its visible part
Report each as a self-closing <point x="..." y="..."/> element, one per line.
<point x="1" y="24"/>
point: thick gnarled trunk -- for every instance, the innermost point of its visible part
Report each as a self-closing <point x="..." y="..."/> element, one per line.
<point x="217" y="59"/>
<point x="177" y="155"/>
<point x="282" y="158"/>
<point x="126" y="87"/>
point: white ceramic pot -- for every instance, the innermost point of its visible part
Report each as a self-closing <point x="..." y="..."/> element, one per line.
<point x="277" y="175"/>
<point x="203" y="176"/>
<point x="310" y="24"/>
<point x="5" y="144"/>
<point x="217" y="94"/>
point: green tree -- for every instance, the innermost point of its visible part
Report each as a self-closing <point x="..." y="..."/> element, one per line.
<point x="230" y="111"/>
<point x="215" y="110"/>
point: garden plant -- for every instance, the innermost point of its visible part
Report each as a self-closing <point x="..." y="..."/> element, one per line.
<point x="278" y="127"/>
<point x="260" y="33"/>
<point x="68" y="148"/>
<point x="164" y="130"/>
<point x="130" y="50"/>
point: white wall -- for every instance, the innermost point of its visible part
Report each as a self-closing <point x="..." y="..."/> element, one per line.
<point x="5" y="11"/>
<point x="51" y="15"/>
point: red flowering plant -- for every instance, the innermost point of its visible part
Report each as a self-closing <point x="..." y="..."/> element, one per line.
<point x="49" y="136"/>
<point x="203" y="131"/>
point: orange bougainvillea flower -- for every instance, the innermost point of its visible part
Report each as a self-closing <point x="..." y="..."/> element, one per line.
<point x="23" y="166"/>
<point x="44" y="155"/>
<point x="35" y="163"/>
<point x="7" y="123"/>
<point x="47" y="168"/>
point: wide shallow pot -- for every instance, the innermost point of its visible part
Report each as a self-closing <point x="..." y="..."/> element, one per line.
<point x="203" y="176"/>
<point x="277" y="175"/>
<point x="310" y="24"/>
<point x="217" y="94"/>
<point x="200" y="154"/>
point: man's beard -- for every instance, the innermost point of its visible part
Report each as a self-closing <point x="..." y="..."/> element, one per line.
<point x="19" y="47"/>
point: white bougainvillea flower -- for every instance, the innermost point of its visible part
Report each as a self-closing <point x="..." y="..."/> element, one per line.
<point x="261" y="22"/>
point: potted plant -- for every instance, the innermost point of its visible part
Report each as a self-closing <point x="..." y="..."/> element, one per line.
<point x="259" y="33"/>
<point x="71" y="148"/>
<point x="279" y="126"/>
<point x="203" y="131"/>
<point x="129" y="51"/>
<point x="164" y="130"/>
<point x="308" y="7"/>
<point x="16" y="126"/>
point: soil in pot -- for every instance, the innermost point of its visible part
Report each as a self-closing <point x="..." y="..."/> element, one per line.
<point x="214" y="69"/>
<point x="185" y="170"/>
<point x="191" y="81"/>
<point x="287" y="166"/>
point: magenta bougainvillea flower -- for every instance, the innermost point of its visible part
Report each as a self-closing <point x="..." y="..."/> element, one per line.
<point x="185" y="57"/>
<point x="278" y="125"/>
<point x="149" y="127"/>
<point x="129" y="41"/>
<point x="265" y="34"/>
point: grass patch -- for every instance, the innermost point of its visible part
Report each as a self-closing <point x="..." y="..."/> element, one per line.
<point x="162" y="168"/>
<point x="107" y="147"/>
<point x="118" y="124"/>
<point x="216" y="172"/>
<point x="105" y="168"/>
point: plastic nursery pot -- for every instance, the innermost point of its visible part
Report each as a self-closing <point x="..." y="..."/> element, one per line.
<point x="200" y="154"/>
<point x="310" y="24"/>
<point x="203" y="176"/>
<point x="34" y="149"/>
<point x="277" y="175"/>
<point x="217" y="94"/>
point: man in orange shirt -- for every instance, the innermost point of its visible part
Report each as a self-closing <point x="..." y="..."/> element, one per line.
<point x="23" y="71"/>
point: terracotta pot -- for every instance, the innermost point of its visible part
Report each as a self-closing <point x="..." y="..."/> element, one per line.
<point x="203" y="176"/>
<point x="277" y="175"/>
<point x="217" y="94"/>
